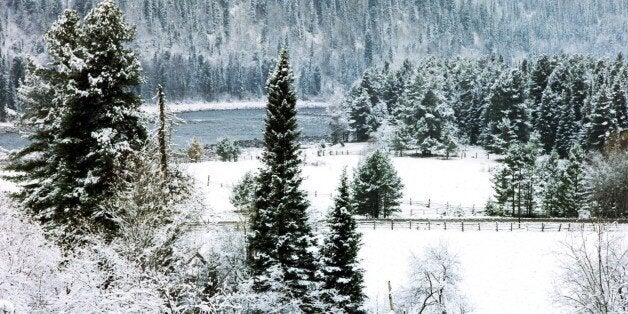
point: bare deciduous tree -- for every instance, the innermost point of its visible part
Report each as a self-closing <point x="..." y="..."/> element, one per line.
<point x="433" y="283"/>
<point x="594" y="273"/>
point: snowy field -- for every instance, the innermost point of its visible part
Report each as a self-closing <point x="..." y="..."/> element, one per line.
<point x="225" y="105"/>
<point x="502" y="272"/>
<point x="505" y="272"/>
<point x="458" y="181"/>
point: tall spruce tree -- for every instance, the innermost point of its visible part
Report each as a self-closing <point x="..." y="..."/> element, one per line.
<point x="339" y="255"/>
<point x="94" y="120"/>
<point x="550" y="200"/>
<point x="602" y="119"/>
<point x="280" y="243"/>
<point x="572" y="197"/>
<point x="620" y="105"/>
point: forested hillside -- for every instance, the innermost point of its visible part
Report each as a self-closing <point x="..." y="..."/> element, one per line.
<point x="214" y="49"/>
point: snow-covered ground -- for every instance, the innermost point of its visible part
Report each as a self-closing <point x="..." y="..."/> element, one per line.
<point x="502" y="272"/>
<point x="458" y="181"/>
<point x="199" y="106"/>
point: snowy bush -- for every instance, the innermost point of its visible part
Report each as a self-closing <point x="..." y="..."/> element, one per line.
<point x="433" y="283"/>
<point x="608" y="185"/>
<point x="243" y="193"/>
<point x="35" y="276"/>
<point x="196" y="151"/>
<point x="594" y="273"/>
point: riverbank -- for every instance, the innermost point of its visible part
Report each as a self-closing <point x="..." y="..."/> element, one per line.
<point x="201" y="106"/>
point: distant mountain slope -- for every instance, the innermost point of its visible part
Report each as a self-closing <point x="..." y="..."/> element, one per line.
<point x="211" y="49"/>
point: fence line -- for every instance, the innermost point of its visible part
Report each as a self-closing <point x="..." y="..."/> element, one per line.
<point x="419" y="207"/>
<point x="461" y="225"/>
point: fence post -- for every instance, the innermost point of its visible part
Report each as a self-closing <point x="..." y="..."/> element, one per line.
<point x="392" y="224"/>
<point x="511" y="226"/>
<point x="542" y="227"/>
<point x="560" y="226"/>
<point x="569" y="227"/>
<point x="410" y="227"/>
<point x="462" y="225"/>
<point x="496" y="226"/>
<point x="374" y="222"/>
<point x="445" y="224"/>
<point x="429" y="227"/>
<point x="428" y="203"/>
<point x="411" y="201"/>
<point x="207" y="180"/>
<point x="479" y="226"/>
<point x="315" y="193"/>
<point x="410" y="211"/>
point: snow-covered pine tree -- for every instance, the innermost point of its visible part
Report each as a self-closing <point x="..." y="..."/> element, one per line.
<point x="566" y="130"/>
<point x="101" y="121"/>
<point x="547" y="116"/>
<point x="550" y="200"/>
<point x="428" y="124"/>
<point x="620" y="104"/>
<point x="533" y="149"/>
<point x="503" y="137"/>
<point x="572" y="198"/>
<point x="376" y="187"/>
<point x="520" y="160"/>
<point x="360" y="110"/>
<point x="280" y="238"/>
<point x="541" y="71"/>
<point x="340" y="268"/>
<point x="503" y="191"/>
<point x="34" y="165"/>
<point x="602" y="119"/>
<point x="97" y="123"/>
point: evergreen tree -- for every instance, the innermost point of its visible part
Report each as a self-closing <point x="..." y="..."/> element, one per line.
<point x="620" y="105"/>
<point x="280" y="243"/>
<point x="602" y="119"/>
<point x="35" y="163"/>
<point x="340" y="269"/>
<point x="376" y="187"/>
<point x="96" y="122"/>
<point x="547" y="118"/>
<point x="550" y="199"/>
<point x="566" y="130"/>
<point x="572" y="197"/>
<point x="517" y="179"/>
<point x="359" y="114"/>
<point x="538" y="80"/>
<point x="502" y="192"/>
<point x="504" y="136"/>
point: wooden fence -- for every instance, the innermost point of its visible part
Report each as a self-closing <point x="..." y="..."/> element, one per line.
<point x="461" y="225"/>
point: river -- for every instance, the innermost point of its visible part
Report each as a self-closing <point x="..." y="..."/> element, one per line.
<point x="211" y="125"/>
